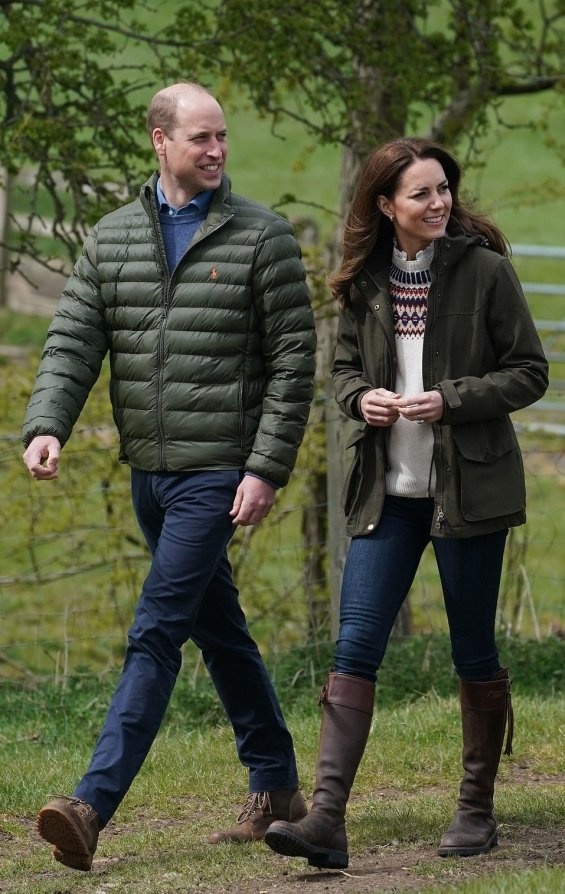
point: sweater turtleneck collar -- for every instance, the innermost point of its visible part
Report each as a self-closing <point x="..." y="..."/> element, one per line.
<point x="422" y="261"/>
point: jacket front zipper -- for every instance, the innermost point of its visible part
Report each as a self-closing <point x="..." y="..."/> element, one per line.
<point x="158" y="237"/>
<point x="439" y="514"/>
<point x="169" y="281"/>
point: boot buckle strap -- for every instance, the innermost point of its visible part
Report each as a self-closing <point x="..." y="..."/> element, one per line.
<point x="509" y="719"/>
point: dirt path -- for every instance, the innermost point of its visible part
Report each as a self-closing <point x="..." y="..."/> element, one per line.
<point x="398" y="868"/>
<point x="380" y="870"/>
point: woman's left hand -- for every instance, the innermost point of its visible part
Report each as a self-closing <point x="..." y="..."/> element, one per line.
<point x="424" y="407"/>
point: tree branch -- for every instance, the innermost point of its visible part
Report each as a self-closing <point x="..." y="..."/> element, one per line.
<point x="532" y="85"/>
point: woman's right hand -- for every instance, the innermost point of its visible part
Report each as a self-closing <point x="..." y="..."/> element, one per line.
<point x="378" y="407"/>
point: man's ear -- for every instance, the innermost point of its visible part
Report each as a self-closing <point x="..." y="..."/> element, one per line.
<point x="158" y="139"/>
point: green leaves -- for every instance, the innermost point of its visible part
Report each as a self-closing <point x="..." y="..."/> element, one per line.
<point x="69" y="106"/>
<point x="75" y="79"/>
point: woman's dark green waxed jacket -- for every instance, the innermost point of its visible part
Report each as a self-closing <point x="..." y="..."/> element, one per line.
<point x="211" y="366"/>
<point x="482" y="351"/>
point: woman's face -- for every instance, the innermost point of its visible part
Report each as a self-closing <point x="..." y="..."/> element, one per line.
<point x="420" y="207"/>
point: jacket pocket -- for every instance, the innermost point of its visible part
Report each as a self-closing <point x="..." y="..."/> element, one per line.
<point x="491" y="470"/>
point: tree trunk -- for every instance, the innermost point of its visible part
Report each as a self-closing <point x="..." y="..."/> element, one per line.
<point x="5" y="185"/>
<point x="367" y="131"/>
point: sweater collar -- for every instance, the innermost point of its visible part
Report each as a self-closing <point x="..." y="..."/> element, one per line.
<point x="422" y="261"/>
<point x="148" y="192"/>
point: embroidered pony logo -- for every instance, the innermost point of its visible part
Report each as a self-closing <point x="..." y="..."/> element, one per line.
<point x="213" y="274"/>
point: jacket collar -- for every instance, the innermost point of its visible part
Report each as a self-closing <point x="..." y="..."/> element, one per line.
<point x="219" y="212"/>
<point x="450" y="248"/>
<point x="220" y="208"/>
<point x="148" y="192"/>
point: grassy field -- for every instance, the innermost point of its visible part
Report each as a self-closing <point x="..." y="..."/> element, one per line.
<point x="403" y="796"/>
<point x="70" y="568"/>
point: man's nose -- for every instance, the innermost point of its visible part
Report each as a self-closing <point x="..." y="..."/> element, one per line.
<point x="214" y="149"/>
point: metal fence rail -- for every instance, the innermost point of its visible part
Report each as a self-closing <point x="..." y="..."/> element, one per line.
<point x="550" y="331"/>
<point x="72" y="561"/>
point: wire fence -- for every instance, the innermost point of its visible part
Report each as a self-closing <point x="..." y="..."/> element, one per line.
<point x="72" y="560"/>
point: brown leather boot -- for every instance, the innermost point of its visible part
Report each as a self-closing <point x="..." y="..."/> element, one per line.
<point x="485" y="710"/>
<point x="346" y="720"/>
<point x="260" y="809"/>
<point x="73" y="827"/>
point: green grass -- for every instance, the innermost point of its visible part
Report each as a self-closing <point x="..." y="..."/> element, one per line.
<point x="538" y="881"/>
<point x="403" y="797"/>
<point x="72" y="559"/>
<point x="415" y="667"/>
<point x="21" y="330"/>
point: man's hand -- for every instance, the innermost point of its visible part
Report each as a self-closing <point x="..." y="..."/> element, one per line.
<point x="253" y="501"/>
<point x="42" y="457"/>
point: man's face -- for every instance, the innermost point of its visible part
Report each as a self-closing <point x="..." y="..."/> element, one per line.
<point x="193" y="155"/>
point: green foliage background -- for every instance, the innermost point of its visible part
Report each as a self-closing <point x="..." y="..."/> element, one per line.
<point x="71" y="560"/>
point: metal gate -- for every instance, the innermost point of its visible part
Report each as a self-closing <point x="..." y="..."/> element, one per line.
<point x="547" y="414"/>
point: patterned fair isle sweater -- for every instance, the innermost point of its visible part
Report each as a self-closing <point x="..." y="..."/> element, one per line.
<point x="410" y="446"/>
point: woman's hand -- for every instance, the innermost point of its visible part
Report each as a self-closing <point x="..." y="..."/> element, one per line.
<point x="379" y="407"/>
<point x="424" y="407"/>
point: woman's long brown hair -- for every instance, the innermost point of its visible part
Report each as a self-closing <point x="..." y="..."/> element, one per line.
<point x="367" y="228"/>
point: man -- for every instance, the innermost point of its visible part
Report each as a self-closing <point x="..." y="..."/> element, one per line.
<point x="199" y="296"/>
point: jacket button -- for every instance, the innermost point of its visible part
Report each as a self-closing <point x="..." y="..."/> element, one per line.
<point x="448" y="469"/>
<point x="370" y="527"/>
<point x="363" y="283"/>
<point x="377" y="306"/>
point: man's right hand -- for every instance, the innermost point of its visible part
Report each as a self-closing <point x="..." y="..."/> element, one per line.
<point x="42" y="457"/>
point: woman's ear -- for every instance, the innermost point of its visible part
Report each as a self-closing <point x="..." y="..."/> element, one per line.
<point x="384" y="206"/>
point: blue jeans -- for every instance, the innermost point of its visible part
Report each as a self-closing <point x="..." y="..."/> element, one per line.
<point x="379" y="572"/>
<point x="188" y="593"/>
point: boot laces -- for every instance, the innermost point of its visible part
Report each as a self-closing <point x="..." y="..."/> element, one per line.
<point x="256" y="801"/>
<point x="81" y="807"/>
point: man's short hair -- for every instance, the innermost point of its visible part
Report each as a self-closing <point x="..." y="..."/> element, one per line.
<point x="162" y="111"/>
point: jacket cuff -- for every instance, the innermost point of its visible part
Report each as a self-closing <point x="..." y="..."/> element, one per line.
<point x="261" y="478"/>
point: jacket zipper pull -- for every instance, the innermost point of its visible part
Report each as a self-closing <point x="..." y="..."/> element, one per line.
<point x="440" y="517"/>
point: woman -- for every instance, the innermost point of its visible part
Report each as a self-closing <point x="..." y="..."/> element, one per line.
<point x="436" y="346"/>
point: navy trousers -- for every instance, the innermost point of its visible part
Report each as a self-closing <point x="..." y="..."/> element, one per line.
<point x="379" y="571"/>
<point x="189" y="593"/>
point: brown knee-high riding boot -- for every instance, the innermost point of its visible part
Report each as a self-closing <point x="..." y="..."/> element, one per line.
<point x="346" y="720"/>
<point x="485" y="710"/>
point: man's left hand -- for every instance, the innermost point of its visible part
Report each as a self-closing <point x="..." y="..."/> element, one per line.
<point x="253" y="501"/>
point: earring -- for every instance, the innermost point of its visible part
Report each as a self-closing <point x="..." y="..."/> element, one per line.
<point x="391" y="218"/>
